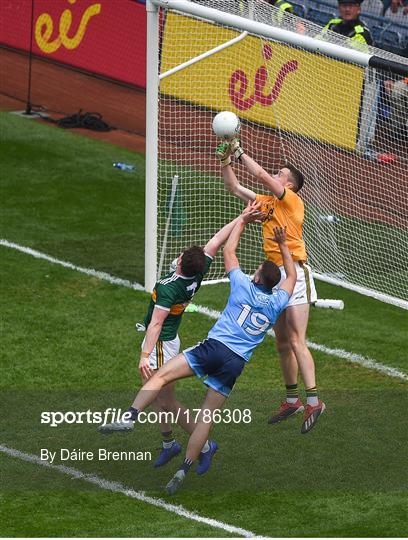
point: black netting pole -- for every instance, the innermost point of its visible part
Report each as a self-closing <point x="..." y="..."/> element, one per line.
<point x="30" y="61"/>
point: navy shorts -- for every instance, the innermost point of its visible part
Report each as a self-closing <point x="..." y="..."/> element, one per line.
<point x="216" y="364"/>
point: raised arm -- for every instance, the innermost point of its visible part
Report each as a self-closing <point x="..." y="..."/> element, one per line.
<point x="222" y="235"/>
<point x="289" y="283"/>
<point x="231" y="182"/>
<point x="249" y="215"/>
<point x="273" y="185"/>
<point x="214" y="244"/>
<point x="256" y="170"/>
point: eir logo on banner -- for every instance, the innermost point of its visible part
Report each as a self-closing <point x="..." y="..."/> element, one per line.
<point x="44" y="29"/>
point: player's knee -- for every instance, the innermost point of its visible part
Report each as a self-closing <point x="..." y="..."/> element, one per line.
<point x="172" y="404"/>
<point x="167" y="400"/>
<point x="297" y="342"/>
<point x="283" y="346"/>
<point x="163" y="375"/>
<point x="164" y="404"/>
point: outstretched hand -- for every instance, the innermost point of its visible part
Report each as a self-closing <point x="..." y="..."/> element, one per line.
<point x="236" y="148"/>
<point x="223" y="153"/>
<point x="280" y="235"/>
<point x="252" y="213"/>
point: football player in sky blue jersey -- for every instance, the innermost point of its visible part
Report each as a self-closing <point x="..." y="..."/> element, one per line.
<point x="251" y="310"/>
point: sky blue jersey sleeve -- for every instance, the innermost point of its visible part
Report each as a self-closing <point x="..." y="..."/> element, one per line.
<point x="238" y="280"/>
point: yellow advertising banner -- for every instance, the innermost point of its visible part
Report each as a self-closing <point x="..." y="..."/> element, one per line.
<point x="264" y="82"/>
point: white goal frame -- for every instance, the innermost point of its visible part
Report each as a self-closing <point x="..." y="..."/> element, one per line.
<point x="363" y="59"/>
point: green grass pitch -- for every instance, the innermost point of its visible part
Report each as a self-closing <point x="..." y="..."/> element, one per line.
<point x="68" y="343"/>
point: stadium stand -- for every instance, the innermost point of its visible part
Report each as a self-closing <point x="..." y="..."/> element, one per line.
<point x="321" y="16"/>
<point x="397" y="12"/>
<point x="387" y="35"/>
<point x="391" y="40"/>
<point x="372" y="7"/>
<point x="300" y="9"/>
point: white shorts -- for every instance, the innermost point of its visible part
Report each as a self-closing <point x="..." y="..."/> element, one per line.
<point x="163" y="351"/>
<point x="305" y="290"/>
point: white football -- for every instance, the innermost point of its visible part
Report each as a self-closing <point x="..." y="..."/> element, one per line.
<point x="226" y="125"/>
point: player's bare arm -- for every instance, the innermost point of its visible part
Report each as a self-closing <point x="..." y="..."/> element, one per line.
<point x="258" y="172"/>
<point x="231" y="182"/>
<point x="233" y="186"/>
<point x="251" y="214"/>
<point x="219" y="238"/>
<point x="223" y="234"/>
<point x="152" y="335"/>
<point x="289" y="283"/>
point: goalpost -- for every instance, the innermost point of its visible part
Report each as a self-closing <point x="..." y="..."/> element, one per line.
<point x="302" y="97"/>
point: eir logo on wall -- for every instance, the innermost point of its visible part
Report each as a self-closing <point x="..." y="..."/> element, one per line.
<point x="66" y="34"/>
<point x="107" y="37"/>
<point x="262" y="82"/>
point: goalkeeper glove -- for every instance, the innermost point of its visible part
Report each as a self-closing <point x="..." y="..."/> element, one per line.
<point x="223" y="153"/>
<point x="236" y="149"/>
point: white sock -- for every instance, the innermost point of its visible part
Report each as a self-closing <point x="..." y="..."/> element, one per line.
<point x="291" y="399"/>
<point x="206" y="447"/>
<point x="313" y="401"/>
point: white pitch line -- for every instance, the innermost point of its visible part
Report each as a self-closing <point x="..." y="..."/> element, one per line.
<point x="118" y="487"/>
<point x="364" y="361"/>
<point x="89" y="271"/>
<point x="340" y="353"/>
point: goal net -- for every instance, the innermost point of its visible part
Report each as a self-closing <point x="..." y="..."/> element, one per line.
<point x="327" y="117"/>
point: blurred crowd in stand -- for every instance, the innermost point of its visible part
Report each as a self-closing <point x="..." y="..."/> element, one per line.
<point x="385" y="22"/>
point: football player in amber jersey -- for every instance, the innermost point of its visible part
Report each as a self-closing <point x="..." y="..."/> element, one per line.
<point x="283" y="208"/>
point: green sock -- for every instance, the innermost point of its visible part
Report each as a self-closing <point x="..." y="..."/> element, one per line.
<point x="292" y="393"/>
